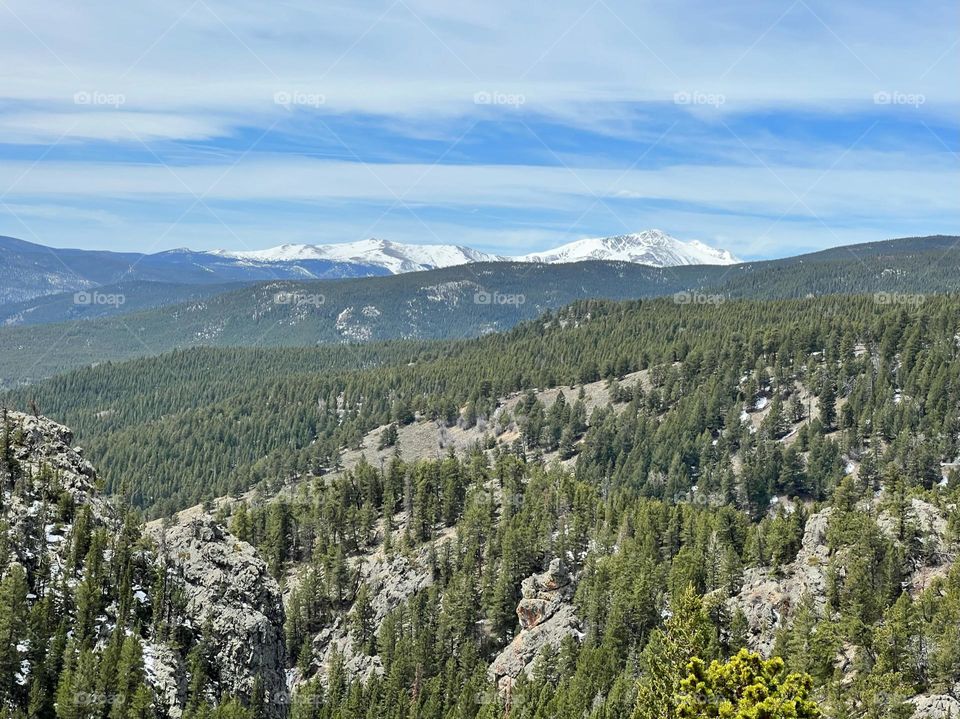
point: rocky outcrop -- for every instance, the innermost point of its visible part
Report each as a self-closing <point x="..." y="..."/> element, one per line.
<point x="228" y="595"/>
<point x="390" y="582"/>
<point x="42" y="488"/>
<point x="38" y="443"/>
<point x="546" y="618"/>
<point x="768" y="599"/>
<point x="232" y="598"/>
<point x="935" y="706"/>
<point x="930" y="522"/>
<point x="167" y="675"/>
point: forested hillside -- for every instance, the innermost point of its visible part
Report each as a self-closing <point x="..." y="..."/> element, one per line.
<point x="204" y="423"/>
<point x="747" y="508"/>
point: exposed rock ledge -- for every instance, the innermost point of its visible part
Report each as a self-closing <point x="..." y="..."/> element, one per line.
<point x="40" y="442"/>
<point x="229" y="590"/>
<point x="935" y="706"/>
<point x="768" y="600"/>
<point x="546" y="618"/>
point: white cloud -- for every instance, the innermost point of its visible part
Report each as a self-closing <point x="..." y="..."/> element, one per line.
<point x="196" y="71"/>
<point x="101" y="124"/>
<point x="846" y="188"/>
<point x="427" y="59"/>
<point x="741" y="202"/>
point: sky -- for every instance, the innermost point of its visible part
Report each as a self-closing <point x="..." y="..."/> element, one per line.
<point x="765" y="128"/>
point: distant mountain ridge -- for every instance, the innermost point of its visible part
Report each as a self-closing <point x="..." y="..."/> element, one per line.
<point x="392" y="256"/>
<point x="29" y="270"/>
<point x="454" y="302"/>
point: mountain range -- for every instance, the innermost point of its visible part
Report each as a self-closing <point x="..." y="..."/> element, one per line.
<point x="29" y="270"/>
<point x="650" y="247"/>
<point x="138" y="318"/>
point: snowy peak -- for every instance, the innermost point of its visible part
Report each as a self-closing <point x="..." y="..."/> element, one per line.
<point x="393" y="256"/>
<point x="651" y="247"/>
<point x="398" y="257"/>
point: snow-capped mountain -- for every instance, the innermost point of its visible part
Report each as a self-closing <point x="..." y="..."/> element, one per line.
<point x="651" y="247"/>
<point x="393" y="256"/>
<point x="28" y="270"/>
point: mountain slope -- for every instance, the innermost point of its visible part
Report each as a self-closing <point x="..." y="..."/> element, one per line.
<point x="29" y="270"/>
<point x="455" y="302"/>
<point x="652" y="247"/>
<point x="392" y="256"/>
<point x="105" y="301"/>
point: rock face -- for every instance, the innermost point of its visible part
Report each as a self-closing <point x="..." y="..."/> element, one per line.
<point x="546" y="618"/>
<point x="390" y="583"/>
<point x="48" y="471"/>
<point x="229" y="592"/>
<point x="167" y="675"/>
<point x="935" y="706"/>
<point x="930" y="521"/>
<point x="768" y="600"/>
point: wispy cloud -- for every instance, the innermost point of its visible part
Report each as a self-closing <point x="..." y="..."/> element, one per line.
<point x="773" y="125"/>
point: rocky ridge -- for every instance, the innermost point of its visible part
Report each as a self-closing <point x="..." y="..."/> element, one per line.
<point x="390" y="582"/>
<point x="768" y="598"/>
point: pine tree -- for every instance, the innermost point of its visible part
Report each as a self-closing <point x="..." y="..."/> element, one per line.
<point x="746" y="687"/>
<point x="361" y="622"/>
<point x="686" y="634"/>
<point x="130" y="680"/>
<point x="828" y="403"/>
<point x="13" y="626"/>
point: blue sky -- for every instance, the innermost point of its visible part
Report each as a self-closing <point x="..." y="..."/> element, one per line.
<point x="764" y="128"/>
